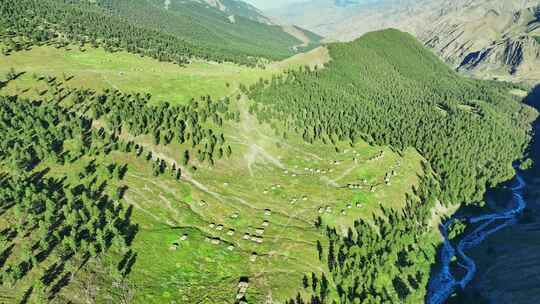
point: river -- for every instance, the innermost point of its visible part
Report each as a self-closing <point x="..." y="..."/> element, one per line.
<point x="444" y="282"/>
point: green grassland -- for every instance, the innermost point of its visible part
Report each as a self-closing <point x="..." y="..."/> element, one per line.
<point x="265" y="172"/>
<point x="98" y="69"/>
<point x="199" y="271"/>
<point x="298" y="182"/>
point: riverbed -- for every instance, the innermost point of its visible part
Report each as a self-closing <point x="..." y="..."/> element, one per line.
<point x="444" y="281"/>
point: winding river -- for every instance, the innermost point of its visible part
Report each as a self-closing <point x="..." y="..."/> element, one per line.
<point x="443" y="282"/>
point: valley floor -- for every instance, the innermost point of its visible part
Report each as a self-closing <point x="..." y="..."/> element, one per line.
<point x="508" y="269"/>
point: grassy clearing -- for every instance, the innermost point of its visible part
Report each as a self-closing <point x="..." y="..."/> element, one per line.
<point x="97" y="69"/>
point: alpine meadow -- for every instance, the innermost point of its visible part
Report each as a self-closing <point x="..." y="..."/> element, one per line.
<point x="206" y="151"/>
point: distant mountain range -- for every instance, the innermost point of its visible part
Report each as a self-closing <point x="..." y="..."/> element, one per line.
<point x="488" y="38"/>
<point x="320" y="16"/>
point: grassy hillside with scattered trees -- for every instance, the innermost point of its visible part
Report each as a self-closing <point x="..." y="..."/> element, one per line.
<point x="176" y="33"/>
<point x="182" y="187"/>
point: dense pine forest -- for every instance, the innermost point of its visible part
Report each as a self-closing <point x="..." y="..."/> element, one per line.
<point x="385" y="88"/>
<point x="75" y="217"/>
<point x="178" y="33"/>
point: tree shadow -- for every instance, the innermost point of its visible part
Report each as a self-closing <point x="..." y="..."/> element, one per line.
<point x="27" y="295"/>
<point x="52" y="273"/>
<point x="122" y="171"/>
<point x="38" y="176"/>
<point x="6" y="207"/>
<point x="19" y="74"/>
<point x="6" y="254"/>
<point x="51" y="244"/>
<point x="127" y="263"/>
<point x="25" y="267"/>
<point x="63" y="282"/>
<point x="9" y="233"/>
<point x="121" y="191"/>
<point x="128" y="230"/>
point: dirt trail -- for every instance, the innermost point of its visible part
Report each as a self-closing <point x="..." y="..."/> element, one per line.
<point x="186" y="175"/>
<point x="136" y="205"/>
<point x="252" y="136"/>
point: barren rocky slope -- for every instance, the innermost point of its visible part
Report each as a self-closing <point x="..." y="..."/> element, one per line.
<point x="488" y="38"/>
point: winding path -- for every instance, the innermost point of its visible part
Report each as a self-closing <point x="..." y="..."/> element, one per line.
<point x="443" y="283"/>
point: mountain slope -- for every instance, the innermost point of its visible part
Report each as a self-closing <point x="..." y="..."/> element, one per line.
<point x="244" y="204"/>
<point x="179" y="29"/>
<point x="238" y="8"/>
<point x="387" y="89"/>
<point x="488" y="38"/>
<point x="323" y="186"/>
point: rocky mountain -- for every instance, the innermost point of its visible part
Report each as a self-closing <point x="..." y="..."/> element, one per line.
<point x="487" y="38"/>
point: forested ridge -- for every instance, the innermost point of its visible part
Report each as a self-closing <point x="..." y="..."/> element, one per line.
<point x="183" y="31"/>
<point x="387" y="89"/>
